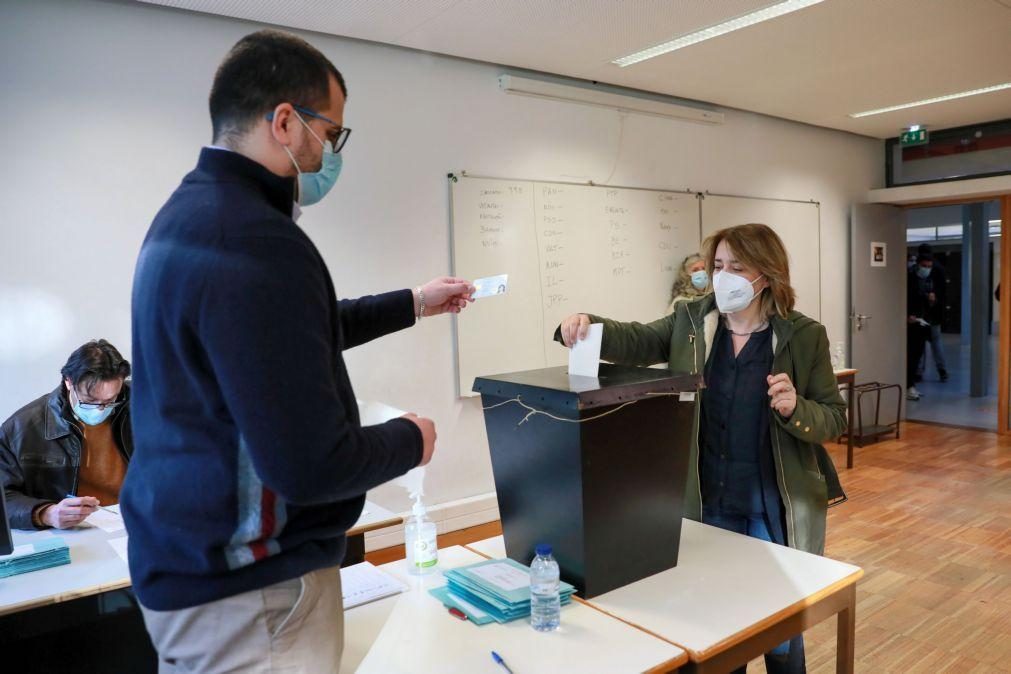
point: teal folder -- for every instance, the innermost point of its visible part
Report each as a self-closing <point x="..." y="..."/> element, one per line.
<point x="30" y="557"/>
<point x="499" y="588"/>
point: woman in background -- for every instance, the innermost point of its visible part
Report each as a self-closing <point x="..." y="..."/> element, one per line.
<point x="691" y="283"/>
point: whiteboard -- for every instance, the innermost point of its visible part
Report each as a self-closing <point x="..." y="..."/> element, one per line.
<point x="798" y="225"/>
<point x="611" y="251"/>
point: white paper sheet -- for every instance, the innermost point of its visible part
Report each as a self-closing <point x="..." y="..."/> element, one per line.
<point x="106" y="521"/>
<point x="584" y="356"/>
<point x="119" y="545"/>
<point x="502" y="575"/>
<point x="20" y="550"/>
<point x="372" y="413"/>
<point x="362" y="583"/>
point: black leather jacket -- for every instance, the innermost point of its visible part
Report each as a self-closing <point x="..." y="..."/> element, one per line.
<point x="40" y="452"/>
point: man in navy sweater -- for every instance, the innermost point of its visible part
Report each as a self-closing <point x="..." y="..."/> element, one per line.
<point x="250" y="461"/>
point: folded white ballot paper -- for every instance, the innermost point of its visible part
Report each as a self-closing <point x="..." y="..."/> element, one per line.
<point x="491" y="286"/>
<point x="584" y="356"/>
<point x="372" y="413"/>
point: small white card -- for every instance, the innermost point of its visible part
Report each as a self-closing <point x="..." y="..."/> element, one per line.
<point x="502" y="575"/>
<point x="584" y="356"/>
<point x="491" y="286"/>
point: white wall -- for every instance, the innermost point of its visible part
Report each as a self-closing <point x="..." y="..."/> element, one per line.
<point x="105" y="111"/>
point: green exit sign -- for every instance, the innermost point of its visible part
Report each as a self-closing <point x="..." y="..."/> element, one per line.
<point x="914" y="137"/>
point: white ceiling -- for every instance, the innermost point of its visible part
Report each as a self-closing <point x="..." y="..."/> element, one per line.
<point x="814" y="66"/>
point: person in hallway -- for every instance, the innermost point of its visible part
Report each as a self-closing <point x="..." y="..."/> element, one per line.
<point x="692" y="281"/>
<point x="757" y="465"/>
<point x="933" y="285"/>
<point x="66" y="452"/>
<point x="917" y="326"/>
<point x="251" y="462"/>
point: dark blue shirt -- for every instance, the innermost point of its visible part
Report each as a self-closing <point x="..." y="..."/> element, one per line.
<point x="738" y="476"/>
<point x="250" y="461"/>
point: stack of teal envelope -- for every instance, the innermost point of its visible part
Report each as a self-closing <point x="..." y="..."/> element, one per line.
<point x="34" y="557"/>
<point x="496" y="590"/>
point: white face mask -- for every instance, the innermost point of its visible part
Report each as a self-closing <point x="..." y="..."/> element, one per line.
<point x="733" y="292"/>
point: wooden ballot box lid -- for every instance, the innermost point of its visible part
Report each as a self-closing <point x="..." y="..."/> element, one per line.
<point x="554" y="388"/>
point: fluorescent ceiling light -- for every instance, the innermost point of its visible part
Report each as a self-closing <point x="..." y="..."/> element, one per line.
<point x="929" y="101"/>
<point x="771" y="12"/>
<point x="524" y="86"/>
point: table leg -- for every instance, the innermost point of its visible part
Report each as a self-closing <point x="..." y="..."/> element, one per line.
<point x="355" y="551"/>
<point x="849" y="422"/>
<point x="845" y="634"/>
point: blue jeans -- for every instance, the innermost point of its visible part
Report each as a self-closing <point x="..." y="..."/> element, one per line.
<point x="788" y="657"/>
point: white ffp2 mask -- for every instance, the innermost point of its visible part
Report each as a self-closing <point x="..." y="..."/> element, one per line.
<point x="733" y="292"/>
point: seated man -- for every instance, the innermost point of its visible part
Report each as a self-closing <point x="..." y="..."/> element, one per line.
<point x="65" y="453"/>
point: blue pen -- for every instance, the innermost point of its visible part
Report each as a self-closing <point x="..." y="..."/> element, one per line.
<point x="101" y="507"/>
<point x="499" y="661"/>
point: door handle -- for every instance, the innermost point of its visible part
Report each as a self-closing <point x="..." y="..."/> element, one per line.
<point x="859" y="319"/>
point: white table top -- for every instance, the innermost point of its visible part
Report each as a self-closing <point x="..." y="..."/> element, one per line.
<point x="374" y="517"/>
<point x="723" y="586"/>
<point x="423" y="637"/>
<point x="95" y="567"/>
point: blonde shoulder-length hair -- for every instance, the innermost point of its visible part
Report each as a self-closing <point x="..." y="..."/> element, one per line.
<point x="757" y="246"/>
<point x="683" y="283"/>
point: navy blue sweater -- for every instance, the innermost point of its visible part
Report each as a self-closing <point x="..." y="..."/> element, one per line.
<point x="250" y="462"/>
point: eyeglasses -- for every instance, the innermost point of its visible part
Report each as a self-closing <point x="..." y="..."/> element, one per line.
<point x="338" y="136"/>
<point x="94" y="406"/>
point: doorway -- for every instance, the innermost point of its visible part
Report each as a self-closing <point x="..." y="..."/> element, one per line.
<point x="954" y="260"/>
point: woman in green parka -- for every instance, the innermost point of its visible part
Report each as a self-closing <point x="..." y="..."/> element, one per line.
<point x="757" y="466"/>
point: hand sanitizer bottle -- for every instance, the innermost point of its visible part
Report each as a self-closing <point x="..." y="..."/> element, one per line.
<point x="420" y="541"/>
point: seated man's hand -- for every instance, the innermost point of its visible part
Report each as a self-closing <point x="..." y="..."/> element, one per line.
<point x="444" y="294"/>
<point x="69" y="512"/>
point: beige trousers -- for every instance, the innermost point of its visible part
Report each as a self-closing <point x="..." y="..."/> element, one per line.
<point x="293" y="627"/>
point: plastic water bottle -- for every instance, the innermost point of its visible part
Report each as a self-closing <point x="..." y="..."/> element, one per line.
<point x="545" y="607"/>
<point x="840" y="356"/>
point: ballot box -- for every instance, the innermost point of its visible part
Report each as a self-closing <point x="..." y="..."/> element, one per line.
<point x="593" y="466"/>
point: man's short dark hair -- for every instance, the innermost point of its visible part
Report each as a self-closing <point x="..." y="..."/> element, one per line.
<point x="263" y="70"/>
<point x="95" y="362"/>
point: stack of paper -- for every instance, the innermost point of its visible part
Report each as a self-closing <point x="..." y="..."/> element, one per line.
<point x="362" y="583"/>
<point x="34" y="557"/>
<point x="499" y="590"/>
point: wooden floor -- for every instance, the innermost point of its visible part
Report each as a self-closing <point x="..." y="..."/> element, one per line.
<point x="929" y="520"/>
